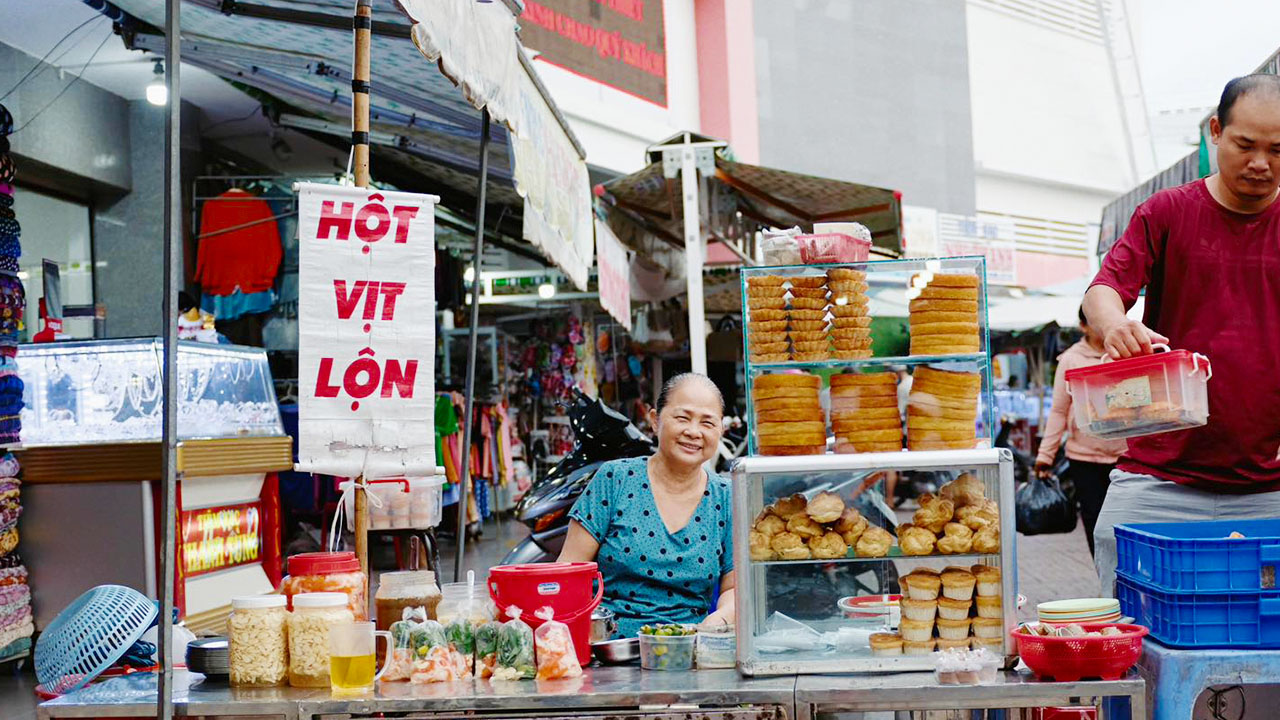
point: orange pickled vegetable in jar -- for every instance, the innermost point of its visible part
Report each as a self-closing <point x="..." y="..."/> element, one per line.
<point x="329" y="572"/>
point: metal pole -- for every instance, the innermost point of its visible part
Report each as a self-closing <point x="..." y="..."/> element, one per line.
<point x="362" y="24"/>
<point x="172" y="279"/>
<point x="469" y="399"/>
<point x="694" y="250"/>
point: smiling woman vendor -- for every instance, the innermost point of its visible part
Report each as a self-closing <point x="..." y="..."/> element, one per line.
<point x="659" y="527"/>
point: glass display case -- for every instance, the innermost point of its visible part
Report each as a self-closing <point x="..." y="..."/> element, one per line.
<point x="109" y="391"/>
<point x="830" y="578"/>
<point x="844" y="320"/>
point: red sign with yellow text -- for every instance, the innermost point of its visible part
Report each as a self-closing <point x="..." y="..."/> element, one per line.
<point x="621" y="43"/>
<point x="218" y="538"/>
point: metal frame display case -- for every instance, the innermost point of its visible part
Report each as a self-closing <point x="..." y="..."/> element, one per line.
<point x="885" y="278"/>
<point x="789" y="613"/>
<point x="92" y="411"/>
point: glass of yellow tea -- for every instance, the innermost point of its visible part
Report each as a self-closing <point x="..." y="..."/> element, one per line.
<point x="353" y="657"/>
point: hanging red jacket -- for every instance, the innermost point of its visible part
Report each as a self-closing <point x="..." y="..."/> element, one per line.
<point x="246" y="258"/>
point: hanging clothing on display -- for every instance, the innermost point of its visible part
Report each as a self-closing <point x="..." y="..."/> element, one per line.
<point x="237" y="258"/>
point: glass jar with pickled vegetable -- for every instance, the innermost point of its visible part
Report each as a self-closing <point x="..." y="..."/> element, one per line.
<point x="314" y="614"/>
<point x="258" y="635"/>
<point x="329" y="572"/>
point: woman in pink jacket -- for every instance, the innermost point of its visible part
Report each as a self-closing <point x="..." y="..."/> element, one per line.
<point x="1091" y="459"/>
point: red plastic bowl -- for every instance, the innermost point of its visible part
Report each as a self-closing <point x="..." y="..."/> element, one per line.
<point x="1068" y="659"/>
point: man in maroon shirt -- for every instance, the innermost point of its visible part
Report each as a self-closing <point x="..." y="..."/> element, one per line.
<point x="1208" y="254"/>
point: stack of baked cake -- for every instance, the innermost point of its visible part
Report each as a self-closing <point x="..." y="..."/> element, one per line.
<point x="942" y="410"/>
<point x="810" y="337"/>
<point x="944" y="318"/>
<point x="789" y="414"/>
<point x="864" y="412"/>
<point x="767" y="319"/>
<point x="851" y="316"/>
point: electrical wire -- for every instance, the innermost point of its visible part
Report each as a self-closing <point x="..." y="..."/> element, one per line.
<point x="67" y="87"/>
<point x="228" y="121"/>
<point x="40" y="63"/>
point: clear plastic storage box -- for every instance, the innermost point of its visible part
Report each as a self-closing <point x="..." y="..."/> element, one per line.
<point x="1144" y="395"/>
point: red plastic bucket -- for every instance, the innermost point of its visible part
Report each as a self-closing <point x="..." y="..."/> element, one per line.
<point x="563" y="587"/>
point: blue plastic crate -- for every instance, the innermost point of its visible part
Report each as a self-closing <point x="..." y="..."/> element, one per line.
<point x="1199" y="556"/>
<point x="1203" y="619"/>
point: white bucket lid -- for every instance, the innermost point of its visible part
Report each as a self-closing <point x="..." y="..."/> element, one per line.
<point x="319" y="600"/>
<point x="257" y="602"/>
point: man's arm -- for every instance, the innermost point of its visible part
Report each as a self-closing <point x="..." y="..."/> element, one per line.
<point x="1122" y="337"/>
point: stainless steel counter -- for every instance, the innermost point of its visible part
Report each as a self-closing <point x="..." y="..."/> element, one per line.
<point x="704" y="694"/>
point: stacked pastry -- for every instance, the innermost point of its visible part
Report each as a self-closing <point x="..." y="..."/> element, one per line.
<point x="944" y="318"/>
<point x="959" y="520"/>
<point x="767" y="319"/>
<point x="851" y="316"/>
<point x="823" y="528"/>
<point x="810" y="338"/>
<point x="943" y="603"/>
<point x="942" y="410"/>
<point x="864" y="412"/>
<point x="789" y="414"/>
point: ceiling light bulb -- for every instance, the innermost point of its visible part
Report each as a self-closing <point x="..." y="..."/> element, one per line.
<point x="157" y="92"/>
<point x="546" y="291"/>
<point x="469" y="274"/>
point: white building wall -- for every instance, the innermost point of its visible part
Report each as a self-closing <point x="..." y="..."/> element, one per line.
<point x="615" y="127"/>
<point x="1049" y="139"/>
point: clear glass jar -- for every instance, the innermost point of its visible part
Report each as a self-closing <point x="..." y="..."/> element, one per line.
<point x="400" y="590"/>
<point x="259" y="638"/>
<point x="329" y="572"/>
<point x="314" y="614"/>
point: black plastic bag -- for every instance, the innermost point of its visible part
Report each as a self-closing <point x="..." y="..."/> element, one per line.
<point x="1043" y="509"/>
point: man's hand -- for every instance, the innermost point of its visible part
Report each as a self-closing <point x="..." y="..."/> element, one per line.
<point x="1130" y="338"/>
<point x="1044" y="470"/>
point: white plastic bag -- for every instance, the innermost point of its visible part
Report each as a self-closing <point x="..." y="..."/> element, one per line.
<point x="556" y="656"/>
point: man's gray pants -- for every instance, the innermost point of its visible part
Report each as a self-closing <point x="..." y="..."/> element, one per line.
<point x="1134" y="498"/>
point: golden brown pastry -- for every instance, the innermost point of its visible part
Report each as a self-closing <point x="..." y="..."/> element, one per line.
<point x="807" y="281"/>
<point x="761" y="358"/>
<point x="829" y="547"/>
<point x="765" y="281"/>
<point x="815" y="449"/>
<point x="980" y="515"/>
<point x="800" y="553"/>
<point x="787" y="507"/>
<point x="964" y="491"/>
<point x="875" y="542"/>
<point x="759" y="544"/>
<point x="803" y="303"/>
<point x="785" y="541"/>
<point x="958" y="539"/>
<point x="852" y="530"/>
<point x="987" y="539"/>
<point x="770" y="525"/>
<point x="804" y="292"/>
<point x="825" y="507"/>
<point x="934" y="513"/>
<point x="804" y="526"/>
<point x="848" y="520"/>
<point x="915" y="540"/>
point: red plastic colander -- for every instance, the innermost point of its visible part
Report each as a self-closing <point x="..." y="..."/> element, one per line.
<point x="1068" y="659"/>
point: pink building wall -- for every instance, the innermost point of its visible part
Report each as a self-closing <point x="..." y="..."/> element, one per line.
<point x="1037" y="270"/>
<point x="727" y="74"/>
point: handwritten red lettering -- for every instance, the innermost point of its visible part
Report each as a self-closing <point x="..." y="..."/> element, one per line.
<point x="347" y="302"/>
<point x="403" y="215"/>
<point x="390" y="291"/>
<point x="331" y="221"/>
<point x="324" y="388"/>
<point x="399" y="379"/>
<point x="371" y="300"/>
<point x="375" y="231"/>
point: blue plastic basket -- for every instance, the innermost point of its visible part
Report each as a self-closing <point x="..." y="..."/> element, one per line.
<point x="1241" y="619"/>
<point x="1199" y="556"/>
<point x="90" y="635"/>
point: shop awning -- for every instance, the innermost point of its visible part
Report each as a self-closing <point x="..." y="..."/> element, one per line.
<point x="301" y="54"/>
<point x="1115" y="216"/>
<point x="645" y="206"/>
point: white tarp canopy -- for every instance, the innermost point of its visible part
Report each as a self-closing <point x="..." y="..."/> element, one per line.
<point x="477" y="47"/>
<point x="1056" y="303"/>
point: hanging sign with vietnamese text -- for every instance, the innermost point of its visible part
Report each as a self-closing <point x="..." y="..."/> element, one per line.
<point x="366" y="368"/>
<point x="621" y="43"/>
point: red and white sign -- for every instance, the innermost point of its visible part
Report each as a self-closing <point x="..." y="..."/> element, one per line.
<point x="366" y="332"/>
<point x="613" y="273"/>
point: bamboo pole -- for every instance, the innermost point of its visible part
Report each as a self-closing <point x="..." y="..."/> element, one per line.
<point x="362" y="24"/>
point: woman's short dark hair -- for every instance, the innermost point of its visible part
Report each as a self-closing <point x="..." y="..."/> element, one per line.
<point x="676" y="381"/>
<point x="1241" y="86"/>
<point x="1083" y="320"/>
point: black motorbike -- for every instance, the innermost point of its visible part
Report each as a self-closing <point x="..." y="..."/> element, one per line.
<point x="600" y="435"/>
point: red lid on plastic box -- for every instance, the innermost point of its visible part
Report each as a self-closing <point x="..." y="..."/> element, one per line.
<point x="323" y="563"/>
<point x="1134" y="365"/>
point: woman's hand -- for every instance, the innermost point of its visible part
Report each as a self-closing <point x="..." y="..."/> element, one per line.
<point x="1044" y="470"/>
<point x="722" y="616"/>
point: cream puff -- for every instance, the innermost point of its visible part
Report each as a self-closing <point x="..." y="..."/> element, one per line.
<point x="825" y="507"/>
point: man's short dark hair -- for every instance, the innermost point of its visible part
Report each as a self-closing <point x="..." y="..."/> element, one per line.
<point x="1083" y="320"/>
<point x="1242" y="86"/>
